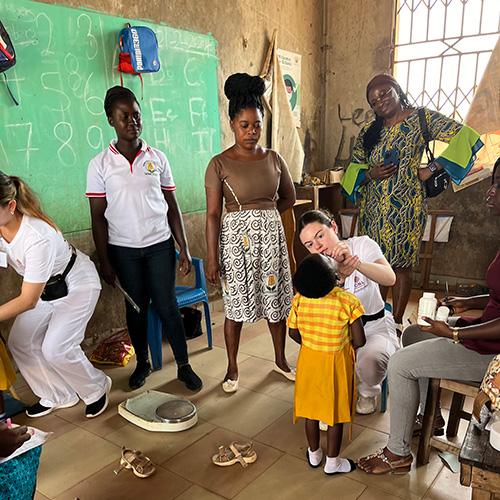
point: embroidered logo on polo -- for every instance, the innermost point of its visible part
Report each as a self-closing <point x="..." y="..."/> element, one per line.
<point x="150" y="168"/>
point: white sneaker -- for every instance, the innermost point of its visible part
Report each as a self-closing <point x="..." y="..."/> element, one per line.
<point x="323" y="426"/>
<point x="366" y="405"/>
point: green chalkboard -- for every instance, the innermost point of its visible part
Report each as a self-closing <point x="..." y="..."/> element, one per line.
<point x="66" y="59"/>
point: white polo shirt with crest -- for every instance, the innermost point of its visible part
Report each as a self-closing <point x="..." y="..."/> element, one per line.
<point x="136" y="208"/>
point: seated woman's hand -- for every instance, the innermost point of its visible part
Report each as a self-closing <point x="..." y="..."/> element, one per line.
<point x="12" y="439"/>
<point x="382" y="171"/>
<point x="457" y="305"/>
<point x="438" y="328"/>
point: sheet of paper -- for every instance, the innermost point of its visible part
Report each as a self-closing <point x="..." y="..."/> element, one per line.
<point x="38" y="438"/>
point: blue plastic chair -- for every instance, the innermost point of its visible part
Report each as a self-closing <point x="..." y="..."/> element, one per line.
<point x="186" y="295"/>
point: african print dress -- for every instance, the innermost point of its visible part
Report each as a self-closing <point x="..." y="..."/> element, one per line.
<point x="393" y="211"/>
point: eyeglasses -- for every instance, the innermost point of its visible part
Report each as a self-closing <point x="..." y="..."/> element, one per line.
<point x="382" y="95"/>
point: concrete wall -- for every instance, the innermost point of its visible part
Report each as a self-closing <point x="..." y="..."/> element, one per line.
<point x="358" y="46"/>
<point x="242" y="30"/>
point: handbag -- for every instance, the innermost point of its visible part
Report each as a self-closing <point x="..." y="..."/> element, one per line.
<point x="439" y="180"/>
<point x="56" y="287"/>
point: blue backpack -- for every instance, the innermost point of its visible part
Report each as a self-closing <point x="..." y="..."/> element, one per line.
<point x="138" y="51"/>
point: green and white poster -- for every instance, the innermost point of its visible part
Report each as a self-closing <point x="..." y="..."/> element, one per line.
<point x="290" y="68"/>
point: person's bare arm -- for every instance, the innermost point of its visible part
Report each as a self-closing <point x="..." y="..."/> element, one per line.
<point x="26" y="300"/>
<point x="294" y="334"/>
<point x="100" y="234"/>
<point x="357" y="331"/>
<point x="212" y="230"/>
<point x="176" y="224"/>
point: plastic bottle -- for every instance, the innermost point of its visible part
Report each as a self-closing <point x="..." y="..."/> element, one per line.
<point x="442" y="313"/>
<point x="426" y="307"/>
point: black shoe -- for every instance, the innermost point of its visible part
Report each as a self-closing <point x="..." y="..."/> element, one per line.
<point x="99" y="406"/>
<point x="38" y="410"/>
<point x="138" y="378"/>
<point x="439" y="424"/>
<point x="186" y="374"/>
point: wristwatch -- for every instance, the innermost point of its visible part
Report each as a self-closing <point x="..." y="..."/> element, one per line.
<point x="433" y="166"/>
<point x="456" y="339"/>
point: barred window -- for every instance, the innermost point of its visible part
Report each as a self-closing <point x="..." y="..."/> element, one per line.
<point x="442" y="49"/>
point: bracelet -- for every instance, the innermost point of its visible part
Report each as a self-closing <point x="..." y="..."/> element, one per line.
<point x="456" y="338"/>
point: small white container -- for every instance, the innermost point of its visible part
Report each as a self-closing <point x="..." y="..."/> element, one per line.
<point x="495" y="435"/>
<point x="426" y="307"/>
<point x="442" y="313"/>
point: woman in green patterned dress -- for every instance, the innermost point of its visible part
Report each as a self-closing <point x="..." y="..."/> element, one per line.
<point x="390" y="193"/>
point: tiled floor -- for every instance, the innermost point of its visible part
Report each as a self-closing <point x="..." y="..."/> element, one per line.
<point x="78" y="461"/>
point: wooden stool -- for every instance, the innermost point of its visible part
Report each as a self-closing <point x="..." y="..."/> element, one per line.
<point x="427" y="440"/>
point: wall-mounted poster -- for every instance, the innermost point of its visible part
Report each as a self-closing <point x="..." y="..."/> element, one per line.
<point x="290" y="67"/>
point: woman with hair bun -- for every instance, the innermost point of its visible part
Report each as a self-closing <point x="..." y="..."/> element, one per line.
<point x="58" y="296"/>
<point x="247" y="249"/>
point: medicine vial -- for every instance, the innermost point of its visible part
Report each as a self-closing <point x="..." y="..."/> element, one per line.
<point x="426" y="307"/>
<point x="442" y="313"/>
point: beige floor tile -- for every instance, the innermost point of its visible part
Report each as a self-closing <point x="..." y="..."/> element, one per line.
<point x="194" y="463"/>
<point x="290" y="438"/>
<point x="447" y="486"/>
<point x="245" y="412"/>
<point x="261" y="346"/>
<point x="39" y="496"/>
<point x="258" y="375"/>
<point x="212" y="362"/>
<point x="198" y="493"/>
<point x="411" y="486"/>
<point x="71" y="458"/>
<point x="372" y="493"/>
<point x="158" y="446"/>
<point x="50" y="423"/>
<point x="376" y="421"/>
<point x="291" y="478"/>
<point x="105" y="485"/>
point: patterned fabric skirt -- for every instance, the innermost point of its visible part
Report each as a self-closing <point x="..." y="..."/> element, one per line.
<point x="18" y="476"/>
<point x="255" y="271"/>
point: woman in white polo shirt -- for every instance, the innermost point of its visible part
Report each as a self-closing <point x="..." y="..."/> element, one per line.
<point x="135" y="219"/>
<point x="50" y="318"/>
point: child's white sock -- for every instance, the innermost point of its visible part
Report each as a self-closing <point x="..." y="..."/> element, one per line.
<point x="315" y="457"/>
<point x="335" y="465"/>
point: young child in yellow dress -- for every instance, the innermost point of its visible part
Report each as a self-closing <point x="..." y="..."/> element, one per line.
<point x="326" y="321"/>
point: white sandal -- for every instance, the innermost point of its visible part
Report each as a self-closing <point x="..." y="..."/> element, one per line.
<point x="230" y="385"/>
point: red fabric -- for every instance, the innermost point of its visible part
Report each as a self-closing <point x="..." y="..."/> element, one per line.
<point x="491" y="311"/>
<point x="125" y="63"/>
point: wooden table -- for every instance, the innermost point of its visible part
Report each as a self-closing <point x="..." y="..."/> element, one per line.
<point x="480" y="465"/>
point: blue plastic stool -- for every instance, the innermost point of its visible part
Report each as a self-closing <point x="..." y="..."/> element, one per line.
<point x="185" y="296"/>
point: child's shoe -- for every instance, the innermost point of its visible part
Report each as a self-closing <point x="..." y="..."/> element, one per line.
<point x="337" y="465"/>
<point x="314" y="458"/>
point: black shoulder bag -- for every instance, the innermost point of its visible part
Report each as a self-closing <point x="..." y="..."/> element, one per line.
<point x="56" y="287"/>
<point x="440" y="180"/>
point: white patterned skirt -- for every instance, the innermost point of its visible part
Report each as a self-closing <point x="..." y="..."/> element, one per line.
<point x="255" y="270"/>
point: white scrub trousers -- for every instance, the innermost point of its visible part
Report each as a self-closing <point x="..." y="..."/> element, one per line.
<point x="45" y="343"/>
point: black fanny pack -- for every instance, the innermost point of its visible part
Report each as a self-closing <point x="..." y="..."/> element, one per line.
<point x="56" y="287"/>
<point x="372" y="317"/>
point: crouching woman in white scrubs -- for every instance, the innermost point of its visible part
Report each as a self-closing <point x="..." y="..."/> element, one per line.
<point x="46" y="335"/>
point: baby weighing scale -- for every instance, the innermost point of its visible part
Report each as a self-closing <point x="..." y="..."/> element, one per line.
<point x="159" y="412"/>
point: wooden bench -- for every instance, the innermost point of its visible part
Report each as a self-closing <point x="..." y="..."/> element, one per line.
<point x="480" y="465"/>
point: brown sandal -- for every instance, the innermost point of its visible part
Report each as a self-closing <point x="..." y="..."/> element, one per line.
<point x="235" y="452"/>
<point x="135" y="460"/>
<point x="401" y="466"/>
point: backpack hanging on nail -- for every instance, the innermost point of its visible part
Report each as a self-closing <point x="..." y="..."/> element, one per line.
<point x="138" y="51"/>
<point x="7" y="57"/>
